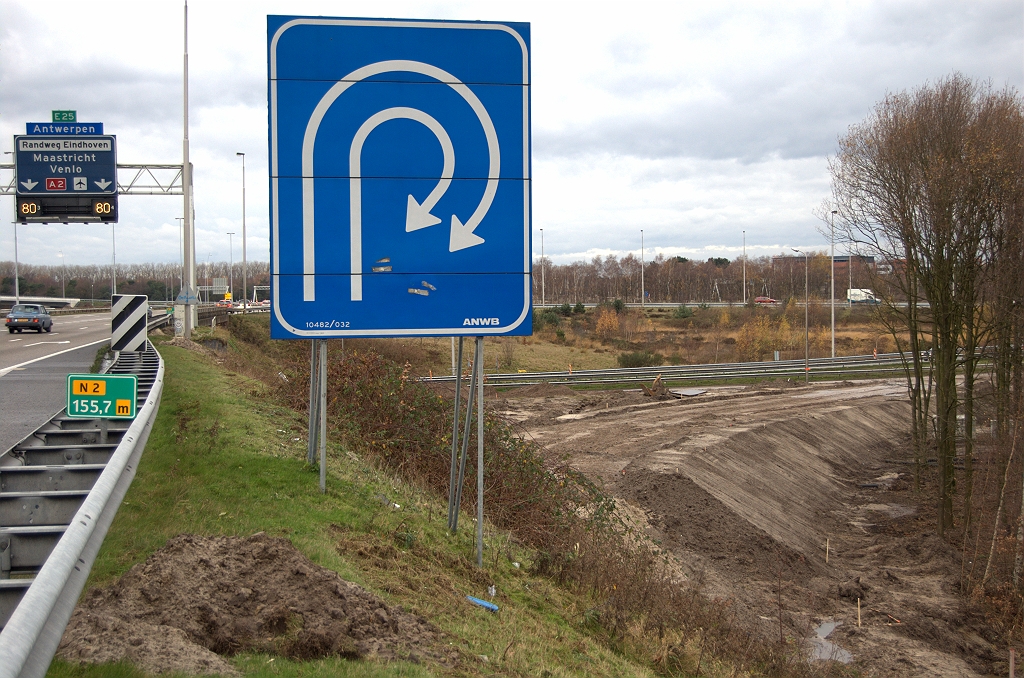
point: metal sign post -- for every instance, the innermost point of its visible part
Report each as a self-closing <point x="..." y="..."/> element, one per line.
<point x="314" y="401"/>
<point x="480" y="453"/>
<point x="452" y="508"/>
<point x="322" y="411"/>
<point x="461" y="477"/>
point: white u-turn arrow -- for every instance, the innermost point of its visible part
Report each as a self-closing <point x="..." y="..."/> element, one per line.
<point x="417" y="215"/>
<point x="462" y="235"/>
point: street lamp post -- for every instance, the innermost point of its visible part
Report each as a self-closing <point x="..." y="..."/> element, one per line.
<point x="17" y="290"/>
<point x="542" y="267"/>
<point x="643" y="294"/>
<point x="181" y="252"/>
<point x="744" y="268"/>
<point x="63" y="273"/>
<point x="807" y="350"/>
<point x="833" y="250"/>
<point x="231" y="266"/>
<point x="245" y="272"/>
<point x="113" y="268"/>
<point x="17" y="287"/>
<point x="849" y="284"/>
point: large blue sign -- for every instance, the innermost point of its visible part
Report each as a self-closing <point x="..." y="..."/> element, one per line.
<point x="66" y="165"/>
<point x="399" y="177"/>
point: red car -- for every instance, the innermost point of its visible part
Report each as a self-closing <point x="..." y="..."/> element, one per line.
<point x="767" y="301"/>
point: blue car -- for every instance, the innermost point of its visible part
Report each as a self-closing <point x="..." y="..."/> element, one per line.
<point x="29" y="317"/>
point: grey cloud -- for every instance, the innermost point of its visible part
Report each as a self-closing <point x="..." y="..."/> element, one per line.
<point x="797" y="106"/>
<point x="123" y="93"/>
<point x="976" y="23"/>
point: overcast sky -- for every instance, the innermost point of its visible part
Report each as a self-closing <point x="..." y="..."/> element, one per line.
<point x="694" y="121"/>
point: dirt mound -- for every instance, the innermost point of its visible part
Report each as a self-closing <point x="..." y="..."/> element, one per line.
<point x="544" y="390"/>
<point x="201" y="597"/>
<point x="189" y="345"/>
<point x="690" y="518"/>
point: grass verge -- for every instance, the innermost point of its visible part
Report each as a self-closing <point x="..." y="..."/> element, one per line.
<point x="223" y="460"/>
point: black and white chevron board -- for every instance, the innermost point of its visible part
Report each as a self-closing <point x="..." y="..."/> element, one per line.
<point x="128" y="316"/>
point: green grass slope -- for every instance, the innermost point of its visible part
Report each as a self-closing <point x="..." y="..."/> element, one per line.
<point x="225" y="460"/>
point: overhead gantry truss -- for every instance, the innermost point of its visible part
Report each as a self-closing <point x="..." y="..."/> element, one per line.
<point x="132" y="179"/>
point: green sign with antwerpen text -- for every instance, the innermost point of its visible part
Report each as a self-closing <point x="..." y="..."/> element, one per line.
<point x="102" y="396"/>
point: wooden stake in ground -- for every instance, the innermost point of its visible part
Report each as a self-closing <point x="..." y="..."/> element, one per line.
<point x="858" y="613"/>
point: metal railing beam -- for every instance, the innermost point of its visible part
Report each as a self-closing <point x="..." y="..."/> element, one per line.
<point x="133" y="179"/>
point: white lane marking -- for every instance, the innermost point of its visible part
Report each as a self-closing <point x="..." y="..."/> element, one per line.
<point x="7" y="370"/>
<point x="83" y="328"/>
<point x="48" y="342"/>
<point x="18" y="339"/>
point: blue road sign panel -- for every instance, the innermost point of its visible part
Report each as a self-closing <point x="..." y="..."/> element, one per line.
<point x="66" y="165"/>
<point x="400" y="177"/>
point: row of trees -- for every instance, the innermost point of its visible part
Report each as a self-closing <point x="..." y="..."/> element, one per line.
<point x="935" y="179"/>
<point x="159" y="281"/>
<point x="672" y="280"/>
<point x="681" y="280"/>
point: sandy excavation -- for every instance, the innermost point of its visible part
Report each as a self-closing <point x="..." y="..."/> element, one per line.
<point x="744" y="485"/>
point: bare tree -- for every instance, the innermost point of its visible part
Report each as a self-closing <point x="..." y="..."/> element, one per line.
<point x="923" y="183"/>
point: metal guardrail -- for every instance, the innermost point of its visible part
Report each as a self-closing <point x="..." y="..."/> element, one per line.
<point x="887" y="363"/>
<point x="60" y="488"/>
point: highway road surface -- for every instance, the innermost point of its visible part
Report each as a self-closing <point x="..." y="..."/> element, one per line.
<point x="34" y="369"/>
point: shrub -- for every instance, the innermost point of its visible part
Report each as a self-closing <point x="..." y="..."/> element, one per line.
<point x="565" y="310"/>
<point x="545" y="318"/>
<point x="607" y="323"/>
<point x="640" y="359"/>
<point x="578" y="308"/>
<point x="248" y="329"/>
<point x="682" y="312"/>
<point x="619" y="305"/>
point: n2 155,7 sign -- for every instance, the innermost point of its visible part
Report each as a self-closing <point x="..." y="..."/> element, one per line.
<point x="102" y="396"/>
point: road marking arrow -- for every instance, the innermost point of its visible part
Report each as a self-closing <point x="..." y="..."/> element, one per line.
<point x="29" y="184"/>
<point x="461" y="236"/>
<point x="102" y="183"/>
<point x="417" y="215"/>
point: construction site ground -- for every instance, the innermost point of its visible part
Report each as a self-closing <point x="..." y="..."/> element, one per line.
<point x="746" y="485"/>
